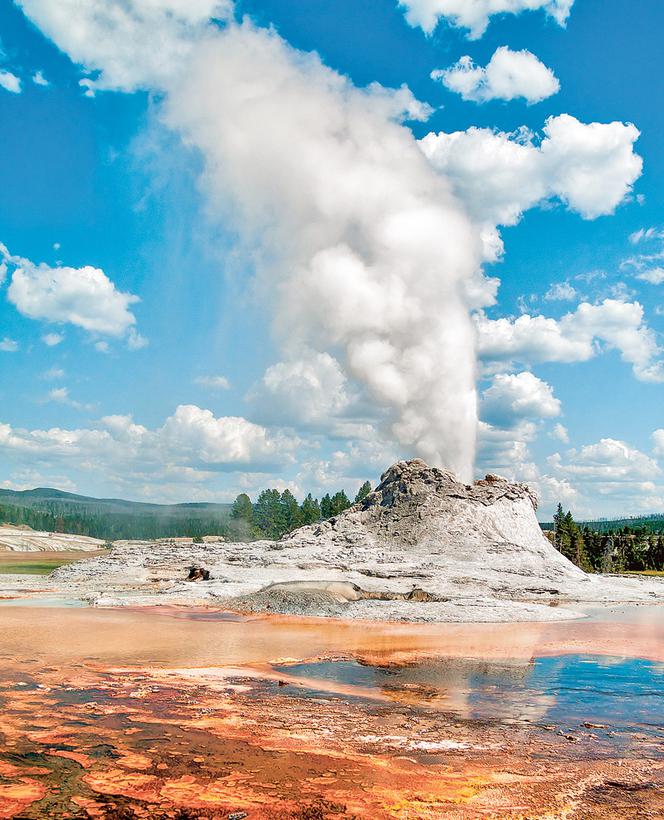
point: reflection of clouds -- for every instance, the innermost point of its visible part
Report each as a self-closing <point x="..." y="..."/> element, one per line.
<point x="471" y="688"/>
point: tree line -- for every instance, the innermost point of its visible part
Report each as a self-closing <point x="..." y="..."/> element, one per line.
<point x="275" y="514"/>
<point x="272" y="515"/>
<point x="624" y="549"/>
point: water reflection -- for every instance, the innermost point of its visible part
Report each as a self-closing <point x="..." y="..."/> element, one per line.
<point x="565" y="690"/>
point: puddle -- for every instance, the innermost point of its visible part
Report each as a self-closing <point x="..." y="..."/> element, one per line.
<point x="45" y="602"/>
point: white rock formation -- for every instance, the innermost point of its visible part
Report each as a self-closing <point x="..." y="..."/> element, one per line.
<point x="23" y="539"/>
<point x="422" y="546"/>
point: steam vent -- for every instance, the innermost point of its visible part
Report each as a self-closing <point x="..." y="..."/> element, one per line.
<point x="421" y="547"/>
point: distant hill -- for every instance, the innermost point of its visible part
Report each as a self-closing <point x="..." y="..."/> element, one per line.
<point x="651" y="523"/>
<point x="110" y="518"/>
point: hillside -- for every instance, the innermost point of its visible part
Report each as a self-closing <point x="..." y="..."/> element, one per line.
<point x="110" y="519"/>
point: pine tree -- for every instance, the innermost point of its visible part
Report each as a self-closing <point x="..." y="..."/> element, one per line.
<point x="310" y="510"/>
<point x="267" y="514"/>
<point x="363" y="492"/>
<point x="326" y="507"/>
<point x="289" y="512"/>
<point x="340" y="502"/>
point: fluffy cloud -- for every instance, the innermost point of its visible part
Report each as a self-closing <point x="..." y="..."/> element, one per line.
<point x="191" y="438"/>
<point x="561" y="433"/>
<point x="607" y="461"/>
<point x="129" y="45"/>
<point x="10" y="82"/>
<point x="474" y="15"/>
<point x="576" y="337"/>
<point x="508" y="75"/>
<point x="38" y="78"/>
<point x="654" y="276"/>
<point x="311" y="391"/>
<point x="84" y="297"/>
<point x="590" y="167"/>
<point x="512" y="398"/>
<point x="52" y="339"/>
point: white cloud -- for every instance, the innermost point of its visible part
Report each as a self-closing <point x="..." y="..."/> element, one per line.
<point x="135" y="341"/>
<point x="191" y="438"/>
<point x="645" y="235"/>
<point x="508" y="76"/>
<point x="60" y="395"/>
<point x="474" y="15"/>
<point x="561" y="292"/>
<point x="607" y="461"/>
<point x="514" y="397"/>
<point x="311" y="391"/>
<point x="658" y="441"/>
<point x="84" y="297"/>
<point x="575" y="337"/>
<point x="128" y="44"/>
<point x="52" y="339"/>
<point x="10" y="82"/>
<point x="654" y="276"/>
<point x="560" y="433"/>
<point x="590" y="167"/>
<point x="8" y="345"/>
<point x="213" y="382"/>
<point x="38" y="78"/>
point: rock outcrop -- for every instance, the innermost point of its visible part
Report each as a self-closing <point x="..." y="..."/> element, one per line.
<point x="421" y="546"/>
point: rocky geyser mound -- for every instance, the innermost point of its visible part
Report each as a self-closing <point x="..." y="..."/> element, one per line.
<point x="421" y="546"/>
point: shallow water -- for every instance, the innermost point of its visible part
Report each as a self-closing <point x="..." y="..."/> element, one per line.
<point x="616" y="694"/>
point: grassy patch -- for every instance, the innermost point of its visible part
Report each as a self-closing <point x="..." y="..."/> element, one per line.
<point x="656" y="573"/>
<point x="32" y="567"/>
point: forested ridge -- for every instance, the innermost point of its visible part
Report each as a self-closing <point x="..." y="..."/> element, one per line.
<point x="634" y="547"/>
<point x="272" y="515"/>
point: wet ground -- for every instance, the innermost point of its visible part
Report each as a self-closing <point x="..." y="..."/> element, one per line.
<point x="195" y="714"/>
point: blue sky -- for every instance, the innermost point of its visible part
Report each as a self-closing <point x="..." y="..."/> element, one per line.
<point x="238" y="365"/>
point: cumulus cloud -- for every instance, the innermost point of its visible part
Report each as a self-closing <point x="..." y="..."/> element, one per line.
<point x="513" y="397"/>
<point x="84" y="297"/>
<point x="561" y="433"/>
<point x="10" y="82"/>
<point x="52" y="339"/>
<point x="474" y="15"/>
<point x="608" y="461"/>
<point x="508" y="76"/>
<point x="8" y="345"/>
<point x="191" y="438"/>
<point x="38" y="78"/>
<point x="576" y="337"/>
<point x="590" y="167"/>
<point x="126" y="45"/>
<point x="213" y="382"/>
